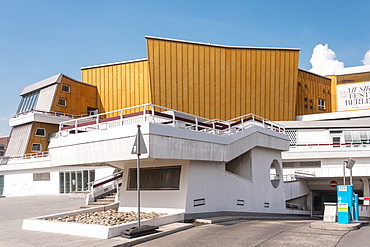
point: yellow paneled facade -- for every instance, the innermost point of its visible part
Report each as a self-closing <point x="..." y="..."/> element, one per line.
<point x="312" y="88"/>
<point x="223" y="82"/>
<point x="120" y="85"/>
<point x="207" y="80"/>
<point x="36" y="138"/>
<point x="78" y="99"/>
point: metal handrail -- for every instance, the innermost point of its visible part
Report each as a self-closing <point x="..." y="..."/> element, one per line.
<point x="29" y="156"/>
<point x="349" y="144"/>
<point x="102" y="180"/>
<point x="51" y="113"/>
<point x="159" y="114"/>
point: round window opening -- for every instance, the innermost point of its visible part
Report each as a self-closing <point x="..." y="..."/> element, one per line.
<point x="275" y="173"/>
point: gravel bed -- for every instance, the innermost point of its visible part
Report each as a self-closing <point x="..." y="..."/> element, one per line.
<point x="110" y="217"/>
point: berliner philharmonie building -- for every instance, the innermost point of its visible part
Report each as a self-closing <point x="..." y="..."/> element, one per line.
<point x="227" y="129"/>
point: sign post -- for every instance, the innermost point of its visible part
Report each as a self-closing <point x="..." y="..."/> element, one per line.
<point x="138" y="149"/>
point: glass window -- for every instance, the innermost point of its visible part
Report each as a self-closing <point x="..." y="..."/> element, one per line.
<point x="70" y="181"/>
<point x="28" y="102"/>
<point x="43" y="176"/>
<point x="336" y="142"/>
<point x="155" y="178"/>
<point x="40" y="132"/>
<point x="36" y="147"/>
<point x="61" y="182"/>
<point x="321" y="104"/>
<point x="66" y="88"/>
<point x="62" y="102"/>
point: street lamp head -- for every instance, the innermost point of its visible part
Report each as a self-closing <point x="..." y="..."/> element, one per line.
<point x="350" y="163"/>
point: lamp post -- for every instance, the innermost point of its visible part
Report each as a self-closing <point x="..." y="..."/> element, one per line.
<point x="350" y="164"/>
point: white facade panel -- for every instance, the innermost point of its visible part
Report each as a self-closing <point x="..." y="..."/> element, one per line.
<point x="46" y="97"/>
<point x="17" y="144"/>
<point x="315" y="136"/>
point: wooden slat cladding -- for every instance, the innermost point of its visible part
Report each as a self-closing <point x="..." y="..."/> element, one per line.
<point x="311" y="87"/>
<point x="80" y="97"/>
<point x="353" y="78"/>
<point x="43" y="140"/>
<point x="120" y="85"/>
<point x="223" y="82"/>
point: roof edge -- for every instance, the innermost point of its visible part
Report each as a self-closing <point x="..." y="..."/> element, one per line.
<point x="222" y="46"/>
<point x="47" y="82"/>
<point x="314" y="73"/>
<point x="115" y="63"/>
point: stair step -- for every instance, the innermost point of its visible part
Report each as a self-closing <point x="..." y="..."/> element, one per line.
<point x="110" y="197"/>
<point x="89" y="206"/>
<point x="107" y="200"/>
<point x="99" y="203"/>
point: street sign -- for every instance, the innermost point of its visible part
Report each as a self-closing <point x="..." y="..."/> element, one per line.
<point x="139" y="144"/>
<point x="333" y="184"/>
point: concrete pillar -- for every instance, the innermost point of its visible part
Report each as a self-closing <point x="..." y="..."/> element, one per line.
<point x="365" y="183"/>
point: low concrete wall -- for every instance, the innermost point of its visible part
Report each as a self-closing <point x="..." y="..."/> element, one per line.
<point x="91" y="230"/>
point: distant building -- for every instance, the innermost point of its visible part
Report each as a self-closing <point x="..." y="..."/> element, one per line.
<point x="3" y="144"/>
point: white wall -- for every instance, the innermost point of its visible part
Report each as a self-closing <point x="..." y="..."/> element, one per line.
<point x="20" y="182"/>
<point x="221" y="189"/>
<point x="306" y="136"/>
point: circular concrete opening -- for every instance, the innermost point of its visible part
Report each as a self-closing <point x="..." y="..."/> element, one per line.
<point x="275" y="173"/>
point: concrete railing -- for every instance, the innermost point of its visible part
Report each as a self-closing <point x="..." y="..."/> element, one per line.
<point x="4" y="159"/>
<point x="157" y="114"/>
<point x="56" y="114"/>
<point x="365" y="145"/>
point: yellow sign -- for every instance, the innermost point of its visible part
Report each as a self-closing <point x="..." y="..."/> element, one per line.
<point x="342" y="207"/>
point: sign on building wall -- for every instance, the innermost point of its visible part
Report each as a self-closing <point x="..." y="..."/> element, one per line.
<point x="353" y="96"/>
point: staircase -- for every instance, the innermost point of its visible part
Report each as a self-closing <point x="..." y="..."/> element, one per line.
<point x="106" y="200"/>
<point x="104" y="191"/>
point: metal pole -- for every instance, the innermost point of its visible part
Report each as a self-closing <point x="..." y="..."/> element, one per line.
<point x="138" y="176"/>
<point x="350" y="176"/>
<point x="344" y="172"/>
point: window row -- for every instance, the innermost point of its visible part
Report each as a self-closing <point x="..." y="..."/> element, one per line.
<point x="71" y="181"/>
<point x="28" y="102"/>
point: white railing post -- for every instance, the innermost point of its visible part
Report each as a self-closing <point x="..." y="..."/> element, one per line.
<point x="76" y="126"/>
<point x="196" y="124"/>
<point x="153" y="114"/>
<point x="144" y="113"/>
<point x="97" y="122"/>
<point x="173" y="118"/>
<point x="214" y="128"/>
<point x="121" y="118"/>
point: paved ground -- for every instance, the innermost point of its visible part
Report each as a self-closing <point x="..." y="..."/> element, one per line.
<point x="236" y="233"/>
<point x="263" y="233"/>
<point x="14" y="209"/>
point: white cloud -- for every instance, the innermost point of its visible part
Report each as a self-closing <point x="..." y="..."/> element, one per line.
<point x="366" y="60"/>
<point x="323" y="60"/>
<point x="4" y="119"/>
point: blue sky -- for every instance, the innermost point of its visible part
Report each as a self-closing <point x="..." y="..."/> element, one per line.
<point x="39" y="39"/>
